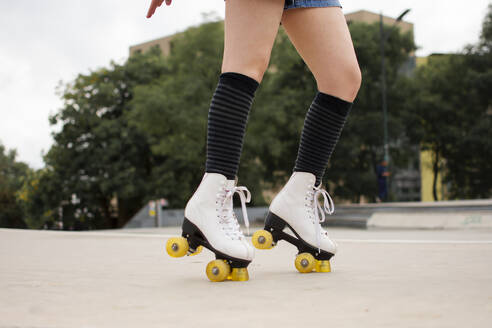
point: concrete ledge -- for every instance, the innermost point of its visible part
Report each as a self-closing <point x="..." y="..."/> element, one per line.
<point x="463" y="214"/>
<point x="457" y="220"/>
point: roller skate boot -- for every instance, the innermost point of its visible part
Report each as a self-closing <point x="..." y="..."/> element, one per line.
<point x="295" y="215"/>
<point x="210" y="222"/>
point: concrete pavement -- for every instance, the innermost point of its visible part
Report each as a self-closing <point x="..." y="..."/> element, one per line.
<point x="123" y="278"/>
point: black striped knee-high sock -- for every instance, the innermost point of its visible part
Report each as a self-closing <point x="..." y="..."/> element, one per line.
<point x="322" y="127"/>
<point x="227" y="120"/>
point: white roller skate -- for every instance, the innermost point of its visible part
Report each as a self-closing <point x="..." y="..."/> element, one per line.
<point x="210" y="222"/>
<point x="295" y="215"/>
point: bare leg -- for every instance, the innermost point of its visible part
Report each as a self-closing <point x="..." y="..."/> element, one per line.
<point x="250" y="30"/>
<point x="322" y="38"/>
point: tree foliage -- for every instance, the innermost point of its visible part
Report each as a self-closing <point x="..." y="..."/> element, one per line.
<point x="100" y="162"/>
<point x="12" y="174"/>
<point x="452" y="116"/>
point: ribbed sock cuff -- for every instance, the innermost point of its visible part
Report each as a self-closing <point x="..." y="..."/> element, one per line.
<point x="333" y="103"/>
<point x="240" y="81"/>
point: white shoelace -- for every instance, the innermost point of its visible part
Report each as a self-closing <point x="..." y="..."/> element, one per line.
<point x="318" y="210"/>
<point x="227" y="217"/>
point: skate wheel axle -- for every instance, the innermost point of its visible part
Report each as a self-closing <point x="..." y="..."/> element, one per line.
<point x="304" y="262"/>
<point x="177" y="246"/>
<point x="262" y="239"/>
<point x="218" y="270"/>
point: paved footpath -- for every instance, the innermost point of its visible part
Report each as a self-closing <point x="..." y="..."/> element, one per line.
<point x="123" y="279"/>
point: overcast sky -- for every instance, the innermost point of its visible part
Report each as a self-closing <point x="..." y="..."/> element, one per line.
<point x="44" y="42"/>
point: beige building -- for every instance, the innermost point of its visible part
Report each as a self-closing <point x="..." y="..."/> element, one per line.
<point x="365" y="16"/>
<point x="163" y="43"/>
<point x="357" y="16"/>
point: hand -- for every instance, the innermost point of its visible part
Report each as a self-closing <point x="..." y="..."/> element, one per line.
<point x="154" y="4"/>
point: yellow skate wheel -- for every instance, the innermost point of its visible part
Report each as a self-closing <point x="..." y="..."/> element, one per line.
<point x="262" y="239"/>
<point x="218" y="270"/>
<point x="198" y="250"/>
<point x="239" y="274"/>
<point x="322" y="266"/>
<point x="177" y="246"/>
<point x="305" y="262"/>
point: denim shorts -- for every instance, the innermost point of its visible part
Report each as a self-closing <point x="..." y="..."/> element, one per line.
<point x="290" y="4"/>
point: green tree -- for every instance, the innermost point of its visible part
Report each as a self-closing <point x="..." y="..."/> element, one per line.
<point x="40" y="198"/>
<point x="12" y="173"/>
<point x="102" y="164"/>
<point x="451" y="116"/>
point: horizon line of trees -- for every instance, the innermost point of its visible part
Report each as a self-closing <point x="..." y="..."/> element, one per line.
<point x="136" y="131"/>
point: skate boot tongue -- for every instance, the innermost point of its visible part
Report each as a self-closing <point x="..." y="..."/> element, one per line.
<point x="230" y="184"/>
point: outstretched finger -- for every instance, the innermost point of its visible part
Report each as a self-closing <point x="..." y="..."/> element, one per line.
<point x="153" y="7"/>
<point x="151" y="10"/>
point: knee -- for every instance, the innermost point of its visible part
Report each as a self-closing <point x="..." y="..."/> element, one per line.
<point x="253" y="65"/>
<point x="354" y="79"/>
<point x="257" y="66"/>
<point x="349" y="79"/>
<point x="344" y="81"/>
